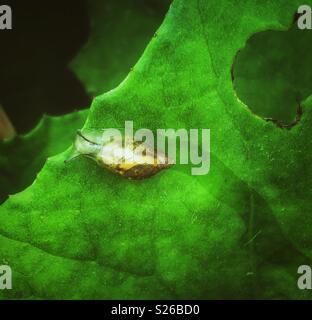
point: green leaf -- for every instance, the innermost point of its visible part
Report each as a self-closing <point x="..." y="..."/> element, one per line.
<point x="239" y="232"/>
<point x="120" y="30"/>
<point x="23" y="157"/>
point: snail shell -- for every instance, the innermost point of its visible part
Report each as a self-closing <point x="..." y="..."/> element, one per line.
<point x="123" y="156"/>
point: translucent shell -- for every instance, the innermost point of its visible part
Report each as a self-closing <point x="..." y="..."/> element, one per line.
<point x="123" y="156"/>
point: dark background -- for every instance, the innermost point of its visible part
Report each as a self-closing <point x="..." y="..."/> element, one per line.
<point x="34" y="55"/>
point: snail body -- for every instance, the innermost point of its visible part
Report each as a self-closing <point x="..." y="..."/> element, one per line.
<point x="122" y="155"/>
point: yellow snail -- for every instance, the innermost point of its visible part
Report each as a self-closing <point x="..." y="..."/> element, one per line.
<point x="124" y="156"/>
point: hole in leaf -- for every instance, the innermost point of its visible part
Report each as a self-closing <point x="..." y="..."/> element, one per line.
<point x="273" y="74"/>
